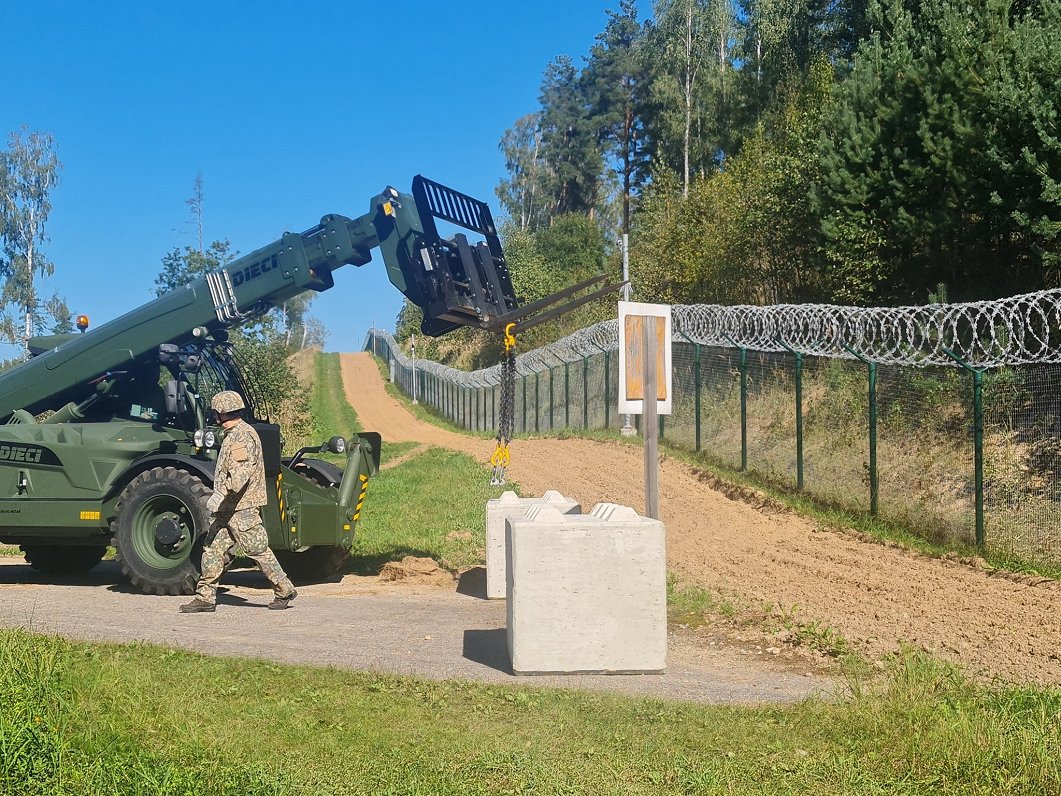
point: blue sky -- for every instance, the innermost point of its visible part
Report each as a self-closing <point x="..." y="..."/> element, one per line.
<point x="289" y="110"/>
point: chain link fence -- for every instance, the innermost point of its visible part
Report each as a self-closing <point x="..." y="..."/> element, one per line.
<point x="945" y="418"/>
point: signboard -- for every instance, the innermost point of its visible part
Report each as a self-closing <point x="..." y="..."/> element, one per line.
<point x="634" y="317"/>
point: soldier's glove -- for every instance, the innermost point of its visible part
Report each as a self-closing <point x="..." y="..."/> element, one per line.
<point x="214" y="503"/>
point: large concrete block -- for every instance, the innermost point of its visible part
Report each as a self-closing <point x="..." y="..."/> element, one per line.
<point x="497" y="511"/>
<point x="587" y="592"/>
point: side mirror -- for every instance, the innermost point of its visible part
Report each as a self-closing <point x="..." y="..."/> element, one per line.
<point x="176" y="397"/>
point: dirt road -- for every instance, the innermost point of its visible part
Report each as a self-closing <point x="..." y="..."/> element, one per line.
<point x="878" y="597"/>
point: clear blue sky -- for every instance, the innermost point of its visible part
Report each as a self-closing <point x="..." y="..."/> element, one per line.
<point x="289" y="111"/>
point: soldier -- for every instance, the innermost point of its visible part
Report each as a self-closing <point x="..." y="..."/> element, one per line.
<point x="239" y="492"/>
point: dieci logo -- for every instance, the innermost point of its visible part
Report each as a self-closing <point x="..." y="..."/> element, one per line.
<point x="31" y="454"/>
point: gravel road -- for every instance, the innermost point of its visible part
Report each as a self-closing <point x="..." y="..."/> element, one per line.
<point x="363" y="624"/>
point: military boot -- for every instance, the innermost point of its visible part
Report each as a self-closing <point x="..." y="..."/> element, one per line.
<point x="279" y="603"/>
<point x="196" y="606"/>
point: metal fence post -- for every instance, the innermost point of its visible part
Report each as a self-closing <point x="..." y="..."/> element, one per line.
<point x="537" y="408"/>
<point x="799" y="411"/>
<point x="873" y="483"/>
<point x="696" y="384"/>
<point x="585" y="392"/>
<point x="743" y="401"/>
<point x="551" y="405"/>
<point x="567" y="395"/>
<point x="524" y="378"/>
<point x="607" y="386"/>
<point x="978" y="441"/>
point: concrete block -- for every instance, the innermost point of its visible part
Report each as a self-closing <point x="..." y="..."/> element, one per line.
<point x="586" y="593"/>
<point x="497" y="511"/>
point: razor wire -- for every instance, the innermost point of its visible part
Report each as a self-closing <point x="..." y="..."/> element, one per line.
<point x="1018" y="330"/>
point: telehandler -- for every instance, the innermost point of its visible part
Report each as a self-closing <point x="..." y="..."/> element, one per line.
<point x="106" y="436"/>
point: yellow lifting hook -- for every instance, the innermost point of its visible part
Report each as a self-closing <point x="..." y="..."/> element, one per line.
<point x="500" y="458"/>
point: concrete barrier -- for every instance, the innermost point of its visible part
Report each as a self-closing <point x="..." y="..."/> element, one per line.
<point x="497" y="511"/>
<point x="586" y="593"/>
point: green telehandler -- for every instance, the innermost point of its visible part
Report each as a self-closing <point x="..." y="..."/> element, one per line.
<point x="106" y="438"/>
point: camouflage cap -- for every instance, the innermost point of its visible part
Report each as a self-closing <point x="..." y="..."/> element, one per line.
<point x="226" y="402"/>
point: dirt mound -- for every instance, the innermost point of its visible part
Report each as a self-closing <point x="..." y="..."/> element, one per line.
<point x="877" y="597"/>
<point x="414" y="570"/>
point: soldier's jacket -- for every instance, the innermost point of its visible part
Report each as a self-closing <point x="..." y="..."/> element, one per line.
<point x="239" y="475"/>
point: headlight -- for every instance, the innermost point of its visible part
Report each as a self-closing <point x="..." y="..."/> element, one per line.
<point x="209" y="438"/>
<point x="337" y="445"/>
<point x="197" y="438"/>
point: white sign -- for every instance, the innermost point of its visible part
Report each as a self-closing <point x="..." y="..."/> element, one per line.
<point x="633" y="318"/>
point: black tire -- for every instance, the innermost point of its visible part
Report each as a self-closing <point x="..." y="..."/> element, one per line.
<point x="314" y="565"/>
<point x="51" y="559"/>
<point x="159" y="531"/>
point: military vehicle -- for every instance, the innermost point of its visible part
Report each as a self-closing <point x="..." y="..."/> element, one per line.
<point x="106" y="437"/>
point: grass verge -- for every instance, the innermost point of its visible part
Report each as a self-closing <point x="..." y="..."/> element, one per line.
<point x="431" y="505"/>
<point x="94" y="718"/>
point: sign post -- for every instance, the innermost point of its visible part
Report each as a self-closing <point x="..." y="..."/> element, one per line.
<point x="645" y="381"/>
<point x="412" y="346"/>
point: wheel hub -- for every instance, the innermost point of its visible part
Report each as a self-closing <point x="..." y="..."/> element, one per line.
<point x="168" y="532"/>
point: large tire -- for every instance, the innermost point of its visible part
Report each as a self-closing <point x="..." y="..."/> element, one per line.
<point x="314" y="565"/>
<point x="159" y="531"/>
<point x="52" y="559"/>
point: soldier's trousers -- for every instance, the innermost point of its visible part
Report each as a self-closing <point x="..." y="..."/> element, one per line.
<point x="244" y="530"/>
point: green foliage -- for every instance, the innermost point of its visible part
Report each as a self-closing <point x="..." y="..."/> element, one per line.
<point x="745" y="234"/>
<point x="941" y="159"/>
<point x="29" y="170"/>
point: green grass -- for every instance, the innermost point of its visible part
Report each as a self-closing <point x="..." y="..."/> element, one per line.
<point x="95" y="718"/>
<point x="431" y="505"/>
<point x="332" y="414"/>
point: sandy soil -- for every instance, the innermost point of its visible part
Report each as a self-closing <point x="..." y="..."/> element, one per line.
<point x="878" y="597"/>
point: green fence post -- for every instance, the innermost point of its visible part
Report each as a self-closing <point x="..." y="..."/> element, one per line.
<point x="696" y="384"/>
<point x="551" y="405"/>
<point x="607" y="386"/>
<point x="585" y="392"/>
<point x="978" y="441"/>
<point x="537" y="408"/>
<point x="743" y="401"/>
<point x="524" y="378"/>
<point x="799" y="411"/>
<point x="567" y="395"/>
<point x="873" y="483"/>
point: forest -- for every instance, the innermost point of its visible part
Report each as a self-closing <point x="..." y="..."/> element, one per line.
<point x="788" y="151"/>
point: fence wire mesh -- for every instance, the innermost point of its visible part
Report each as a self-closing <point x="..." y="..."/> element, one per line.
<point x="735" y="399"/>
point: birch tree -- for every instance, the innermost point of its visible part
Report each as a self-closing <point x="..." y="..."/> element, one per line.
<point x="29" y="172"/>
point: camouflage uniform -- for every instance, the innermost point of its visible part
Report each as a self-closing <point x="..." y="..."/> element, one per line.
<point x="239" y="480"/>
